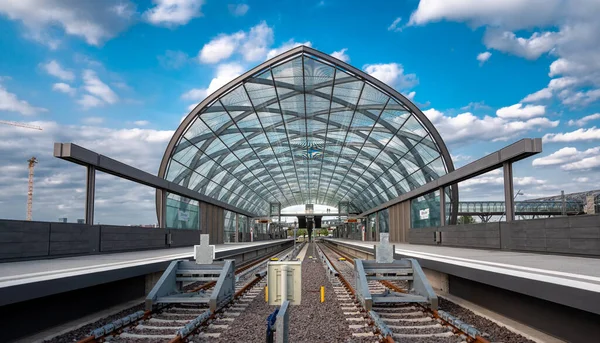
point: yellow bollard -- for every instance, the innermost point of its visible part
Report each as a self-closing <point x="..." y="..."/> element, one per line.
<point x="266" y="294"/>
<point x="322" y="294"/>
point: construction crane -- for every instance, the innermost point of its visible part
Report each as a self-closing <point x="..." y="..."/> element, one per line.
<point x="32" y="161"/>
<point x="25" y="125"/>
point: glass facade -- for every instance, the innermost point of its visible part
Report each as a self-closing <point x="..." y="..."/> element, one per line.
<point x="304" y="130"/>
<point x="384" y="220"/>
<point x="229" y="230"/>
<point x="425" y="211"/>
<point x="182" y="213"/>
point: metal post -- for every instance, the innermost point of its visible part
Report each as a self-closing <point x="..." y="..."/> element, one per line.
<point x="162" y="219"/>
<point x="442" y="207"/>
<point x="90" y="195"/>
<point x="509" y="200"/>
<point x="237" y="227"/>
<point x="564" y="203"/>
<point x="283" y="284"/>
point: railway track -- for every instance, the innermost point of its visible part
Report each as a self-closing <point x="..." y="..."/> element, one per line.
<point x="180" y="322"/>
<point x="394" y="322"/>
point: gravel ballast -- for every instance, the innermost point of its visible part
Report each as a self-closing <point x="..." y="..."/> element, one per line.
<point x="314" y="321"/>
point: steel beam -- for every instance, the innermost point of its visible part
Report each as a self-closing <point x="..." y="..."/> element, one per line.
<point x="515" y="152"/>
<point x="77" y="154"/>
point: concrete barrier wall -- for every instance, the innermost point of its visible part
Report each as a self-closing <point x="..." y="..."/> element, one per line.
<point x="19" y="239"/>
<point x="182" y="238"/>
<point x="482" y="235"/>
<point x="119" y="238"/>
<point x="566" y="235"/>
<point x="69" y="239"/>
<point x="25" y="240"/>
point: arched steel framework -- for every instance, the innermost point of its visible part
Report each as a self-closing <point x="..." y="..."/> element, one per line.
<point x="303" y="128"/>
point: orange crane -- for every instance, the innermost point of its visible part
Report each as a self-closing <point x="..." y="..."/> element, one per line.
<point x="32" y="161"/>
<point x="25" y="125"/>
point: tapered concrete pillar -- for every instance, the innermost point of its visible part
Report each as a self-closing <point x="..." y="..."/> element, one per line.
<point x="162" y="220"/>
<point x="509" y="197"/>
<point x="90" y="195"/>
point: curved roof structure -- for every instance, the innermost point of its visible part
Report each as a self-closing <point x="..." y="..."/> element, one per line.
<point x="305" y="128"/>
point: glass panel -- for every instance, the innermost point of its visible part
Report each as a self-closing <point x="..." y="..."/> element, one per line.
<point x="182" y="213"/>
<point x="425" y="211"/>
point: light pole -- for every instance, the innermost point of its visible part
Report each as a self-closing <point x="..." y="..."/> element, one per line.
<point x="516" y="195"/>
<point x="294" y="237"/>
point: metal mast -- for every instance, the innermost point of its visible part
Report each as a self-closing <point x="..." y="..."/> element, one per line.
<point x="32" y="161"/>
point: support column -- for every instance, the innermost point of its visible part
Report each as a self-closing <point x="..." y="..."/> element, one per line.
<point x="442" y="207"/>
<point x="237" y="228"/>
<point x="509" y="197"/>
<point x="90" y="195"/>
<point x="162" y="219"/>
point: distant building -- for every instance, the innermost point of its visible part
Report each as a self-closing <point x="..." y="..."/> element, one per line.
<point x="80" y="221"/>
<point x="62" y="220"/>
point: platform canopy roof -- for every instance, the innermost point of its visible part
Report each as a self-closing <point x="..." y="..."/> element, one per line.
<point x="305" y="128"/>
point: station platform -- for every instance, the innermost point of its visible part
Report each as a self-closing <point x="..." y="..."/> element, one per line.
<point x="507" y="280"/>
<point x="26" y="280"/>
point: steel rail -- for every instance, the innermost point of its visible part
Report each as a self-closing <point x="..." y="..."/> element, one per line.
<point x="147" y="314"/>
<point x="434" y="313"/>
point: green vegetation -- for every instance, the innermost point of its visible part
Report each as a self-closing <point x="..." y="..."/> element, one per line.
<point x="465" y="220"/>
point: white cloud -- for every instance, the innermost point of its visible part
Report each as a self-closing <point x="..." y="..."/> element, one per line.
<point x="486" y="179"/>
<point x="93" y="120"/>
<point x="566" y="30"/>
<point x="64" y="88"/>
<point x="341" y="55"/>
<point x="581" y="179"/>
<point x="258" y="42"/>
<point x="221" y="47"/>
<point x="10" y="102"/>
<point x="589" y="134"/>
<point x="585" y="164"/>
<point x="54" y="69"/>
<point x="88" y="101"/>
<point x="94" y="21"/>
<point x="411" y="95"/>
<point x="580" y="98"/>
<point x="467" y="127"/>
<point x="583" y="121"/>
<point x="285" y="47"/>
<point x="60" y="185"/>
<point x="238" y="10"/>
<point x="141" y="122"/>
<point x="252" y="45"/>
<point x="563" y="155"/>
<point x="97" y="88"/>
<point x="542" y="94"/>
<point x="555" y="85"/>
<point x="394" y="26"/>
<point x="530" y="48"/>
<point x="392" y="74"/>
<point x="173" y="12"/>
<point x="517" y="111"/>
<point x="483" y="57"/>
<point x="225" y="73"/>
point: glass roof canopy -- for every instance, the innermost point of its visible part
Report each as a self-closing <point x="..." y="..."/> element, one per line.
<point x="305" y="128"/>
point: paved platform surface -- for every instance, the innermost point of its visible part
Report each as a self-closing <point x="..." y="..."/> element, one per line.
<point x="16" y="273"/>
<point x="579" y="272"/>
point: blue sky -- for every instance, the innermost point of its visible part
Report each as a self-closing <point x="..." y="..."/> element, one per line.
<point x="117" y="76"/>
